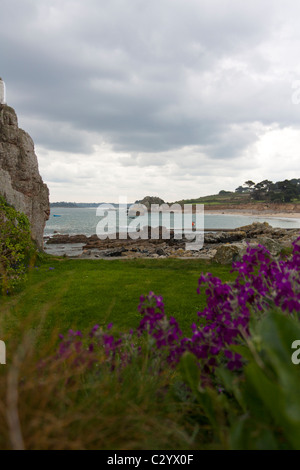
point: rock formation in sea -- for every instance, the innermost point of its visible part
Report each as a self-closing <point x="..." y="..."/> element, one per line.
<point x="20" y="180"/>
<point x="148" y="200"/>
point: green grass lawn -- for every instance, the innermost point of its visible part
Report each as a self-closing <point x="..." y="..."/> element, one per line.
<point x="62" y="407"/>
<point x="89" y="399"/>
<point x="61" y="294"/>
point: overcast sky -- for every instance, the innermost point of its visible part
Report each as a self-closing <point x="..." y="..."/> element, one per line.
<point x="175" y="98"/>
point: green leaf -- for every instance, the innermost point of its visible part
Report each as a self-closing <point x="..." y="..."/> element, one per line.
<point x="242" y="350"/>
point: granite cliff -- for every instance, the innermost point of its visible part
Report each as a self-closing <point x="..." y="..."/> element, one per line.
<point x="20" y="181"/>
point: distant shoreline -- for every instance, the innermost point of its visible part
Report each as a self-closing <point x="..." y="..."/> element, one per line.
<point x="277" y="210"/>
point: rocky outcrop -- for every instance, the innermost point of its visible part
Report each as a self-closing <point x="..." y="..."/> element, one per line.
<point x="224" y="237"/>
<point x="58" y="238"/>
<point x="224" y="247"/>
<point x="275" y="240"/>
<point x="148" y="200"/>
<point x="20" y="181"/>
<point x="229" y="253"/>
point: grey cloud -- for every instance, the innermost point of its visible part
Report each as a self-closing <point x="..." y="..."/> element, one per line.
<point x="59" y="136"/>
<point x="147" y="76"/>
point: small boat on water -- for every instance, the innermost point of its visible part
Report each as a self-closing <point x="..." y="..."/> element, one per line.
<point x="56" y="215"/>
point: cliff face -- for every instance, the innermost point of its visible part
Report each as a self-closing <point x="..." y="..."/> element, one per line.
<point x="20" y="181"/>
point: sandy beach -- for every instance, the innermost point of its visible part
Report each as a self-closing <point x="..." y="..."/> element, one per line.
<point x="256" y="213"/>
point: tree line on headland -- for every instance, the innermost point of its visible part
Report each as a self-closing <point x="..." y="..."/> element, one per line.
<point x="279" y="192"/>
<point x="285" y="191"/>
<point x="266" y="190"/>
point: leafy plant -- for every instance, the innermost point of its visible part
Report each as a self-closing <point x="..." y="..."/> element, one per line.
<point x="16" y="246"/>
<point x="259" y="408"/>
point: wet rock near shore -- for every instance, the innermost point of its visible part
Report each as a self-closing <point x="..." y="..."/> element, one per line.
<point x="263" y="228"/>
<point x="63" y="239"/>
<point x="223" y="247"/>
<point x="225" y="237"/>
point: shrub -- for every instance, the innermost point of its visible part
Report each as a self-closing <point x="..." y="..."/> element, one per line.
<point x="16" y="247"/>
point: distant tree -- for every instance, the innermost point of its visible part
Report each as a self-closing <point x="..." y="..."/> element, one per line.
<point x="241" y="190"/>
<point x="281" y="191"/>
<point x="223" y="192"/>
<point x="249" y="183"/>
<point x="261" y="190"/>
<point x="63" y="204"/>
<point x="288" y="190"/>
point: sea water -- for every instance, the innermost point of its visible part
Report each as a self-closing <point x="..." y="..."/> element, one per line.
<point x="72" y="221"/>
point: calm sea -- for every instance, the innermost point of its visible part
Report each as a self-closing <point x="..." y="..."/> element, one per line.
<point x="84" y="221"/>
